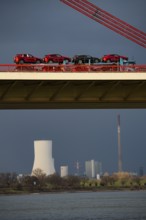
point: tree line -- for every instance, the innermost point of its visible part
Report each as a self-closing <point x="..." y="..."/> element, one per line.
<point x="40" y="182"/>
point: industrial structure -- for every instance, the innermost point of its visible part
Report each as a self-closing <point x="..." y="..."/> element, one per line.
<point x="64" y="171"/>
<point x="43" y="157"/>
<point x="119" y="146"/>
<point x="93" y="169"/>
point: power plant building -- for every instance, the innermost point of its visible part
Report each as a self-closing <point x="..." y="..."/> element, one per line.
<point x="93" y="169"/>
<point x="43" y="156"/>
<point x="63" y="171"/>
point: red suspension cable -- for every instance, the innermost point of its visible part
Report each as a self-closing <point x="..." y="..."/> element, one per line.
<point x="108" y="20"/>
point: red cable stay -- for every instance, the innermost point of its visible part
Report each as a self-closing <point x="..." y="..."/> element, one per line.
<point x="108" y="20"/>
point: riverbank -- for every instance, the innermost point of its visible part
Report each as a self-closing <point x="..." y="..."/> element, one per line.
<point x="8" y="191"/>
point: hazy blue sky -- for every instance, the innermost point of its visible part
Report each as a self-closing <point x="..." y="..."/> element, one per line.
<point x="49" y="26"/>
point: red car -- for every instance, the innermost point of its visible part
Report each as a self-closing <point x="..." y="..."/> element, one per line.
<point x="26" y="58"/>
<point x="56" y="58"/>
<point x="113" y="58"/>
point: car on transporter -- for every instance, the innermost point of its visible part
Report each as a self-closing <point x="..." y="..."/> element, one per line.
<point x="113" y="58"/>
<point x="27" y="58"/>
<point x="56" y="58"/>
<point x="82" y="59"/>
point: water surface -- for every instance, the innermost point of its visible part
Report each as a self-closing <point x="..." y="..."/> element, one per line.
<point x="129" y="205"/>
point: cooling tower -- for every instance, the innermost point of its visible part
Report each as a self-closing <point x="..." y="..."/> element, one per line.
<point x="43" y="156"/>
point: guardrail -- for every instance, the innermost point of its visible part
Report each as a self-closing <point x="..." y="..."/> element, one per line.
<point x="100" y="67"/>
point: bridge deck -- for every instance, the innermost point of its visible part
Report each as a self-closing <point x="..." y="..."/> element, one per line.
<point x="68" y="90"/>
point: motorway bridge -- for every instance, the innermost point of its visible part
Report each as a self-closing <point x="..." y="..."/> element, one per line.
<point x="25" y="88"/>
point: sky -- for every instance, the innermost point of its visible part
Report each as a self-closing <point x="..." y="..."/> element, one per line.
<point x="49" y="26"/>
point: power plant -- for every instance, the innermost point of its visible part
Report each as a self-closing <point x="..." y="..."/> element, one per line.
<point x="43" y="156"/>
<point x="119" y="146"/>
<point x="64" y="171"/>
<point x="93" y="169"/>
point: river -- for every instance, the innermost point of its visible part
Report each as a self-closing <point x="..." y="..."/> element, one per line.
<point x="127" y="205"/>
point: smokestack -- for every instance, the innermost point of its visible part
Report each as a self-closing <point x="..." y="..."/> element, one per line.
<point x="119" y="146"/>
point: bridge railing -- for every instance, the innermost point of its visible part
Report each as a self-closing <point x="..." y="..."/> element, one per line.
<point x="72" y="68"/>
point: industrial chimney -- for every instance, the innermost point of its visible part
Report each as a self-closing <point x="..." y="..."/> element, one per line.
<point x="43" y="156"/>
<point x="119" y="146"/>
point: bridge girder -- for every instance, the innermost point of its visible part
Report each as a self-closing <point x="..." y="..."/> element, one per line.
<point x="76" y="91"/>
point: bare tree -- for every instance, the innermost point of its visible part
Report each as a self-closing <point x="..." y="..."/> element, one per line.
<point x="41" y="176"/>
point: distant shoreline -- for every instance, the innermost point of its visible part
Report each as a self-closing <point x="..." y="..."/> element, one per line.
<point x="16" y="192"/>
